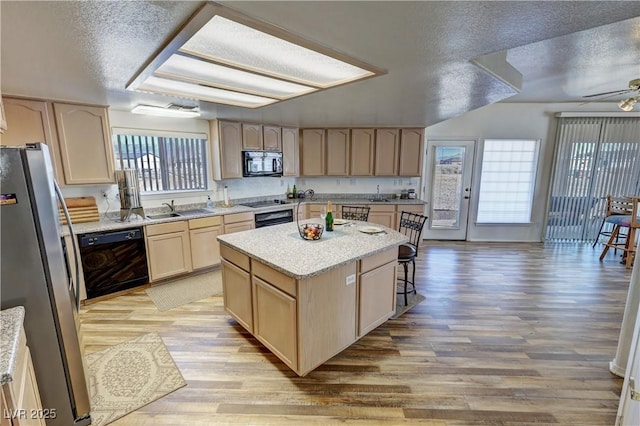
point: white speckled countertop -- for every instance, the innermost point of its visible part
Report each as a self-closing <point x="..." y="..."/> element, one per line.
<point x="282" y="248"/>
<point x="10" y="325"/>
<point x="113" y="223"/>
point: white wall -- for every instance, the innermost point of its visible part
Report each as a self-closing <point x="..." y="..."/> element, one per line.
<point x="518" y="121"/>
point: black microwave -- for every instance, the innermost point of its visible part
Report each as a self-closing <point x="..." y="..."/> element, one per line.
<point x="261" y="163"/>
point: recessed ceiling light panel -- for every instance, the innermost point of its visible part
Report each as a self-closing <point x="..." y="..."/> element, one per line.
<point x="210" y="94"/>
<point x="223" y="56"/>
<point x="182" y="67"/>
<point x="236" y="44"/>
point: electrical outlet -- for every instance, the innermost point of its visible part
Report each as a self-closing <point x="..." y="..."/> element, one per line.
<point x="338" y="182"/>
<point x="352" y="181"/>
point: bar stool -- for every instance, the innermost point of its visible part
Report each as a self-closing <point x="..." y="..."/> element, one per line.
<point x="355" y="212"/>
<point x="613" y="209"/>
<point x="627" y="218"/>
<point x="411" y="225"/>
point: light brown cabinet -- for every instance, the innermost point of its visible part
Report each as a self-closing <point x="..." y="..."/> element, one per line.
<point x="22" y="392"/>
<point x="226" y="149"/>
<point x="30" y="121"/>
<point x="84" y="137"/>
<point x="290" y="151"/>
<point x="205" y="248"/>
<point x="362" y="152"/>
<point x="168" y="250"/>
<point x="386" y="155"/>
<point x="376" y="290"/>
<point x="338" y="152"/>
<point x="384" y="215"/>
<point x="411" y="143"/>
<point x="237" y="222"/>
<point x="312" y="152"/>
<point x="252" y="137"/>
<point x="78" y="137"/>
<point x="272" y="138"/>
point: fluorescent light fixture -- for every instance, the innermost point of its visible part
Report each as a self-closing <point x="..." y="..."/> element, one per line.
<point x="168" y="111"/>
<point x="225" y="57"/>
<point x="628" y="104"/>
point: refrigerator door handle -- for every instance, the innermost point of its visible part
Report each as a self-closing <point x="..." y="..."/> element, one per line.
<point x="74" y="244"/>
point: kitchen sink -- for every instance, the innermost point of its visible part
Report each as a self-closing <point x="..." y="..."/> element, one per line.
<point x="194" y="211"/>
<point x="163" y="216"/>
<point x="379" y="200"/>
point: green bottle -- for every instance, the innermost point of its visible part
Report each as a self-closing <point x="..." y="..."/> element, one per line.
<point x="329" y="219"/>
<point x="294" y="192"/>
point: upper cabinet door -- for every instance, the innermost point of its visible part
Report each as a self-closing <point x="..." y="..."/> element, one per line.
<point x="338" y="152"/>
<point x="230" y="142"/>
<point x="362" y="152"/>
<point x="386" y="156"/>
<point x="290" y="149"/>
<point x="272" y="138"/>
<point x="411" y="142"/>
<point x="252" y="137"/>
<point x="312" y="150"/>
<point x="30" y="121"/>
<point x="85" y="143"/>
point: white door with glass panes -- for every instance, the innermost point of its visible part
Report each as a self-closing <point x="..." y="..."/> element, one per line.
<point x="447" y="186"/>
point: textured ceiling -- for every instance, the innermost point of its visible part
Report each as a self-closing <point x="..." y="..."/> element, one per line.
<point x="88" y="51"/>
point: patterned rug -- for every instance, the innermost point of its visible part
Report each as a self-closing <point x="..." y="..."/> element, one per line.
<point x="413" y="300"/>
<point x="177" y="293"/>
<point x="128" y="376"/>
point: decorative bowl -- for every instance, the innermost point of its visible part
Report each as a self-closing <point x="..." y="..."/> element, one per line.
<point x="310" y="231"/>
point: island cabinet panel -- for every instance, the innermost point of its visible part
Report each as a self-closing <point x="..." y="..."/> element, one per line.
<point x="275" y="321"/>
<point x="338" y="152"/>
<point x="386" y="155"/>
<point x="383" y="215"/>
<point x="236" y="288"/>
<point x="273" y="277"/>
<point x="376" y="296"/>
<point x="410" y="162"/>
<point x="235" y="257"/>
<point x="290" y="151"/>
<point x="168" y="254"/>
<point x="252" y="137"/>
<point x="86" y="149"/>
<point x="362" y="152"/>
<point x="312" y="152"/>
<point x="272" y="138"/>
<point x="327" y="324"/>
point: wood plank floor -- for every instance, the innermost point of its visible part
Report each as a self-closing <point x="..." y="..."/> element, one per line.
<point x="509" y="334"/>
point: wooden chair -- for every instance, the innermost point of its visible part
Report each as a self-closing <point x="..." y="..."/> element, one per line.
<point x="411" y="225"/>
<point x="613" y="208"/>
<point x="626" y="216"/>
<point x="355" y="212"/>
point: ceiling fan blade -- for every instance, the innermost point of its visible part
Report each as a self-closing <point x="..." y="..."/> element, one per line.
<point x="613" y="93"/>
<point x="602" y="98"/>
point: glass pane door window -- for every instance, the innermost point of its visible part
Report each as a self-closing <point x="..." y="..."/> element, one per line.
<point x="449" y="169"/>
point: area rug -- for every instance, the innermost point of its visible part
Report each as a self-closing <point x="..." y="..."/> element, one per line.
<point x="413" y="300"/>
<point x="128" y="376"/>
<point x="177" y="293"/>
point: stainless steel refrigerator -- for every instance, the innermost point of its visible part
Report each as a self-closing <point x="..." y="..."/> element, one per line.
<point x="36" y="274"/>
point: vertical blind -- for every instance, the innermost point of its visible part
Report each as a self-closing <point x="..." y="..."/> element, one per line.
<point x="163" y="163"/>
<point x="594" y="157"/>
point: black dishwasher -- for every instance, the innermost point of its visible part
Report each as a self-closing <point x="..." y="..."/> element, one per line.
<point x="113" y="261"/>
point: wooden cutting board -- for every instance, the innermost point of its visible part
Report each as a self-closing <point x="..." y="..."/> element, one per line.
<point x="81" y="209"/>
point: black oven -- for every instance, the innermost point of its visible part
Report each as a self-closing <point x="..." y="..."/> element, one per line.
<point x="113" y="261"/>
<point x="261" y="163"/>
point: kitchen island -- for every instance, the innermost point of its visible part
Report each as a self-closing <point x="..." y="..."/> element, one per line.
<point x="306" y="301"/>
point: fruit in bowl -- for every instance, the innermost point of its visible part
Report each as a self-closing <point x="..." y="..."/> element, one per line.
<point x="311" y="231"/>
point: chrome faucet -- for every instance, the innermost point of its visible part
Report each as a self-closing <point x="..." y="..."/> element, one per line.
<point x="171" y="206"/>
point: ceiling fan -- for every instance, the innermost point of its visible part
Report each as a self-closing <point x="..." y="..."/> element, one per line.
<point x="627" y="104"/>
